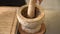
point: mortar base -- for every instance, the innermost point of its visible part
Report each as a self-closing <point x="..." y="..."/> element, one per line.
<point x="42" y="30"/>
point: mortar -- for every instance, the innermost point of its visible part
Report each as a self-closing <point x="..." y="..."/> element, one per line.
<point x="30" y="25"/>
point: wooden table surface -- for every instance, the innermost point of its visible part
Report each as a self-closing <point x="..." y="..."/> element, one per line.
<point x="8" y="20"/>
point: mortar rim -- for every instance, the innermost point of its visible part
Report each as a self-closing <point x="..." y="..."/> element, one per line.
<point x="19" y="16"/>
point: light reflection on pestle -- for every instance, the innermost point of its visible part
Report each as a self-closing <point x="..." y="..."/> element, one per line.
<point x="31" y="9"/>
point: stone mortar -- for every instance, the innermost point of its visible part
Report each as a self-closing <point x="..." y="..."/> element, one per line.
<point x="30" y="25"/>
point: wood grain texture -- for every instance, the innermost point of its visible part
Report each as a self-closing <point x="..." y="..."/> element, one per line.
<point x="7" y="20"/>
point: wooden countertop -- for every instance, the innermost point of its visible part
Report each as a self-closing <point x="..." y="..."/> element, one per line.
<point x="8" y="20"/>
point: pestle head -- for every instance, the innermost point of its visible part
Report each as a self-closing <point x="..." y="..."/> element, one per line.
<point x="31" y="9"/>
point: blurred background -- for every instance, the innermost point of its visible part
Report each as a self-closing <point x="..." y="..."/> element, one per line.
<point x="52" y="16"/>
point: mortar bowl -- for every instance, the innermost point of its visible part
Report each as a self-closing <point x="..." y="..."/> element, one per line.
<point x="30" y="25"/>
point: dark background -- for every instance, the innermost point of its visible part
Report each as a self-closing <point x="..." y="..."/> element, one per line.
<point x="12" y="2"/>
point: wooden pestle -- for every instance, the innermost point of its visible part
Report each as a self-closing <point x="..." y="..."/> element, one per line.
<point x="31" y="8"/>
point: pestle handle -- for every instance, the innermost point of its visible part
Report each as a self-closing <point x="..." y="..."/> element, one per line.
<point x="31" y="9"/>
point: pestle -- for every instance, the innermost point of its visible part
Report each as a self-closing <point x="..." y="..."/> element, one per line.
<point x="31" y="8"/>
